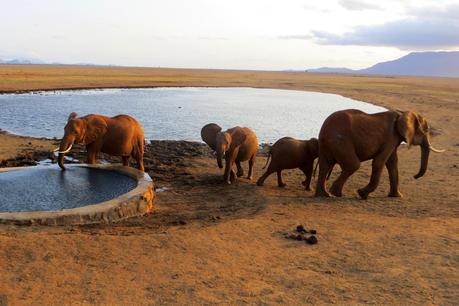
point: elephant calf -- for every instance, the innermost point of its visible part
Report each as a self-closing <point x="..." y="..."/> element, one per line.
<point x="291" y="153"/>
<point x="237" y="144"/>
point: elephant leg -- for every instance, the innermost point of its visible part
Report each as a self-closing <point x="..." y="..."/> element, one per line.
<point x="351" y="165"/>
<point x="125" y="161"/>
<point x="229" y="175"/>
<point x="232" y="176"/>
<point x="324" y="169"/>
<point x="251" y="163"/>
<point x="93" y="150"/>
<point x="262" y="178"/>
<point x="240" y="171"/>
<point x="139" y="159"/>
<point x="307" y="170"/>
<point x="91" y="157"/>
<point x="376" y="170"/>
<point x="392" y="169"/>
<point x="280" y="183"/>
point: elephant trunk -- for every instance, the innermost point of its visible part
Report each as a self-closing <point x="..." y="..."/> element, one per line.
<point x="220" y="157"/>
<point x="64" y="147"/>
<point x="425" y="151"/>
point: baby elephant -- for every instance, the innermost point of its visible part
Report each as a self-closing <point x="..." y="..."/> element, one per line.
<point x="236" y="145"/>
<point x="291" y="153"/>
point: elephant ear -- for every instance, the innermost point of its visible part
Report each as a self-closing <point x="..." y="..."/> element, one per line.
<point x="407" y="124"/>
<point x="209" y="134"/>
<point x="72" y="116"/>
<point x="96" y="127"/>
<point x="237" y="138"/>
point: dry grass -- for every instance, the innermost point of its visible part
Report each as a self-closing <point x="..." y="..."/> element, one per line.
<point x="231" y="250"/>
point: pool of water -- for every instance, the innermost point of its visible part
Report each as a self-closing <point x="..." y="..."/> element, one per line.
<point x="48" y="188"/>
<point x="179" y="113"/>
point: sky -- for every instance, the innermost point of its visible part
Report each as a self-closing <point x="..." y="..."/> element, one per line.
<point x="237" y="34"/>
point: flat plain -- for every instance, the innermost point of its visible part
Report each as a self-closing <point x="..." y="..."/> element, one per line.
<point x="212" y="244"/>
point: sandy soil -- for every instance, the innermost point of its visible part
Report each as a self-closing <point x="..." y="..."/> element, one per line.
<point x="21" y="150"/>
<point x="207" y="243"/>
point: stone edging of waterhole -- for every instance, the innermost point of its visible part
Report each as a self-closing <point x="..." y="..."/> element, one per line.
<point x="138" y="201"/>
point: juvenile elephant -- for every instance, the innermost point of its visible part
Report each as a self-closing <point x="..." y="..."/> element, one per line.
<point x="237" y="144"/>
<point x="121" y="136"/>
<point x="291" y="153"/>
<point x="351" y="136"/>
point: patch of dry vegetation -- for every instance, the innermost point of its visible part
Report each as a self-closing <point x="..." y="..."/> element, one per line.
<point x="209" y="244"/>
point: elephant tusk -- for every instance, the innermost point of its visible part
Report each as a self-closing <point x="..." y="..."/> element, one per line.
<point x="63" y="152"/>
<point x="56" y="149"/>
<point x="436" y="150"/>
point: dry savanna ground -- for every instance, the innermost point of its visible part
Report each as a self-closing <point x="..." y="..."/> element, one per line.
<point x="210" y="244"/>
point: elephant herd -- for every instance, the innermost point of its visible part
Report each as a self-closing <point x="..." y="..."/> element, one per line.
<point x="346" y="138"/>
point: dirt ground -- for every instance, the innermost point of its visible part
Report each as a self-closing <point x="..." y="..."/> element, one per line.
<point x="212" y="244"/>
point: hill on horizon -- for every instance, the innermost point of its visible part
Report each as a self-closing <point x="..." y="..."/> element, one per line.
<point x="440" y="64"/>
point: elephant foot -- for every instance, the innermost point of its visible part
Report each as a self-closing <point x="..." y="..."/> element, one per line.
<point x="250" y="178"/>
<point x="335" y="191"/>
<point x="227" y="182"/>
<point x="396" y="194"/>
<point x="308" y="188"/>
<point x="321" y="194"/>
<point x="303" y="183"/>
<point x="363" y="194"/>
<point x="240" y="173"/>
<point x="282" y="185"/>
<point x="259" y="183"/>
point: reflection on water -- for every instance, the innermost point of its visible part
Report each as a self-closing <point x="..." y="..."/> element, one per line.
<point x="179" y="113"/>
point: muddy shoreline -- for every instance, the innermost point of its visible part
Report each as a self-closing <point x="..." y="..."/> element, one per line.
<point x="213" y="244"/>
<point x="164" y="160"/>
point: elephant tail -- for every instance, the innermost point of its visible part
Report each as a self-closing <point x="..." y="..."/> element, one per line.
<point x="267" y="160"/>
<point x="315" y="169"/>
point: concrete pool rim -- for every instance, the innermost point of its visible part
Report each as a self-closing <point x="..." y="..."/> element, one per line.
<point x="136" y="202"/>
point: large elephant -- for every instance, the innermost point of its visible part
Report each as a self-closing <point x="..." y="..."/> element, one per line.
<point x="351" y="136"/>
<point x="291" y="153"/>
<point x="237" y="144"/>
<point x="121" y="136"/>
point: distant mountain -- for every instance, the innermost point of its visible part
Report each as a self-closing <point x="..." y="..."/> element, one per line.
<point x="21" y="61"/>
<point x="443" y="64"/>
<point x="331" y="70"/>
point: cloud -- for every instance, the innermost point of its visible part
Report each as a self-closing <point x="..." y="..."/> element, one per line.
<point x="424" y="29"/>
<point x="301" y="37"/>
<point x="357" y="5"/>
<point x="212" y="38"/>
<point x="448" y="12"/>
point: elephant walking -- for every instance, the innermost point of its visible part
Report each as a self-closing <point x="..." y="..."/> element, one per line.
<point x="351" y="136"/>
<point x="121" y="136"/>
<point x="237" y="144"/>
<point x="291" y="153"/>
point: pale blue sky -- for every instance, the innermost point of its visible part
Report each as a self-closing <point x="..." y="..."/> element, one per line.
<point x="237" y="34"/>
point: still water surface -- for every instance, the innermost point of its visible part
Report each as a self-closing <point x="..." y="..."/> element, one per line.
<point x="179" y="113"/>
<point x="49" y="188"/>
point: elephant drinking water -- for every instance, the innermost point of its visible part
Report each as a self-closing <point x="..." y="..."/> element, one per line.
<point x="121" y="136"/>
